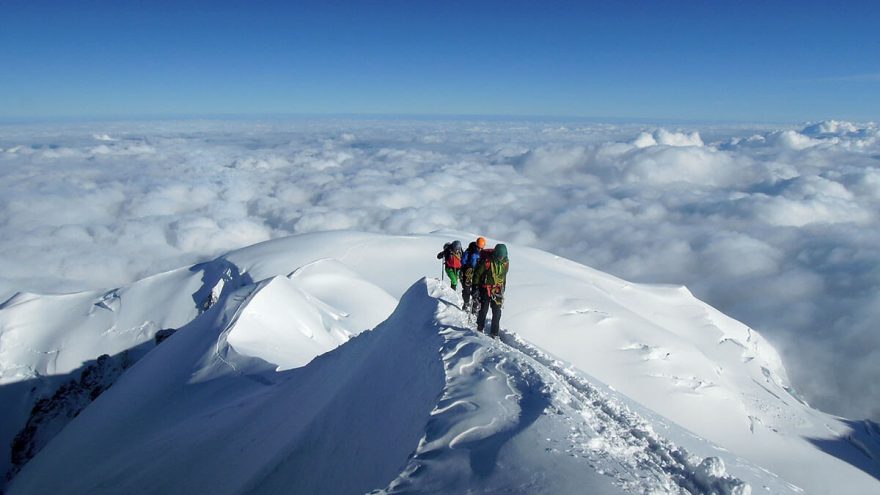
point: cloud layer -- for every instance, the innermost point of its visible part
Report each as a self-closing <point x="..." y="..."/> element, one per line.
<point x="777" y="227"/>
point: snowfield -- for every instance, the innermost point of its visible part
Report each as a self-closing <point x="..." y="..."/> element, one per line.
<point x="338" y="363"/>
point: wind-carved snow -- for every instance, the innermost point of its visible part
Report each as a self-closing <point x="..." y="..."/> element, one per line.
<point x="499" y="401"/>
<point x="109" y="301"/>
<point x="52" y="412"/>
<point x="43" y="338"/>
<point x="302" y="316"/>
<point x="282" y="360"/>
<point x="648" y="352"/>
<point x="202" y="404"/>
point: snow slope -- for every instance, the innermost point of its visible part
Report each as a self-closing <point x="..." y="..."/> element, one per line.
<point x="348" y="421"/>
<point x="46" y="339"/>
<point x="276" y="385"/>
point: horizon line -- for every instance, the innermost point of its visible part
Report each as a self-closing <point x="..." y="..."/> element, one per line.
<point x="45" y="119"/>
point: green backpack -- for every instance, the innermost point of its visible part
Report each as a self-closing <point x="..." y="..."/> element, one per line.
<point x="497" y="267"/>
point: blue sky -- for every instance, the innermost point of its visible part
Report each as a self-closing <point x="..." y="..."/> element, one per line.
<point x="701" y="60"/>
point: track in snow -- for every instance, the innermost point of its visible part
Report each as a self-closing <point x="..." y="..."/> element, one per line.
<point x="628" y="437"/>
<point x="495" y="392"/>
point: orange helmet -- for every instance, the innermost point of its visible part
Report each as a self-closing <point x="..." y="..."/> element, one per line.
<point x="481" y="242"/>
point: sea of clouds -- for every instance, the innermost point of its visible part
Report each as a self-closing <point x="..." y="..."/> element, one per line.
<point x="777" y="226"/>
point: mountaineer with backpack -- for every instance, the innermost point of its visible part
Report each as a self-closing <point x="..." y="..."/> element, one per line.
<point x="451" y="256"/>
<point x="490" y="278"/>
<point x="476" y="302"/>
<point x="468" y="264"/>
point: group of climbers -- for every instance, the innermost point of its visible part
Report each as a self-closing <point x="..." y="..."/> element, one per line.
<point x="483" y="276"/>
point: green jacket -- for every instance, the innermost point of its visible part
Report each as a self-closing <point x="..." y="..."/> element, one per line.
<point x="492" y="273"/>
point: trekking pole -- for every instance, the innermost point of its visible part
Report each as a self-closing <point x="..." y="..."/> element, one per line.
<point x="442" y="272"/>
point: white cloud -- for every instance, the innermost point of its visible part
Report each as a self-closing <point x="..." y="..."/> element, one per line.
<point x="781" y="211"/>
<point x="830" y="128"/>
<point x="737" y="255"/>
<point x="666" y="165"/>
<point x="793" y="140"/>
<point x="172" y="199"/>
<point x="663" y="137"/>
<point x="667" y="138"/>
<point x="644" y="140"/>
<point x="775" y="226"/>
<point x="552" y="160"/>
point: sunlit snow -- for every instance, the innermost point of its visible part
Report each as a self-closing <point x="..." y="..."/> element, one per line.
<point x="316" y="368"/>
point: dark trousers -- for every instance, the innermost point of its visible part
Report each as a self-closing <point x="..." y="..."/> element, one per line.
<point x="466" y="294"/>
<point x="466" y="276"/>
<point x="485" y="303"/>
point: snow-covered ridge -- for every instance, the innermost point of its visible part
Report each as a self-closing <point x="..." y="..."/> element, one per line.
<point x="247" y="364"/>
<point x="512" y="419"/>
<point x="342" y="399"/>
<point x="203" y="407"/>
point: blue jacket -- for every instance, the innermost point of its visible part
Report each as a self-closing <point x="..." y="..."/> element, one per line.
<point x="470" y="258"/>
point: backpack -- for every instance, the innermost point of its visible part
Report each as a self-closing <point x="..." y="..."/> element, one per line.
<point x="500" y="252"/>
<point x="471" y="256"/>
<point x="452" y="254"/>
<point x="485" y="256"/>
<point x="469" y="263"/>
<point x="494" y="265"/>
